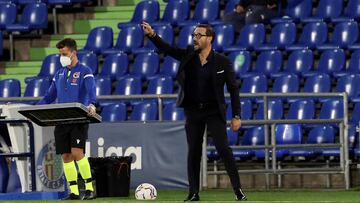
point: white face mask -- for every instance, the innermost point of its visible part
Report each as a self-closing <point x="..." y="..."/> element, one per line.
<point x="65" y="60"/>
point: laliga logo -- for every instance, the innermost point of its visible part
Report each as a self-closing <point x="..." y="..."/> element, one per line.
<point x="49" y="167"/>
<point x="135" y="152"/>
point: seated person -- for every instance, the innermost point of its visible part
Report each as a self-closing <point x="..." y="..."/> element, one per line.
<point x="252" y="11"/>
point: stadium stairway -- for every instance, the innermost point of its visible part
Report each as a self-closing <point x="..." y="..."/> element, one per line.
<point x="83" y="23"/>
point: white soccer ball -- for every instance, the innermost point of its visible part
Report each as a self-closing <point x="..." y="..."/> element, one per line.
<point x="145" y="191"/>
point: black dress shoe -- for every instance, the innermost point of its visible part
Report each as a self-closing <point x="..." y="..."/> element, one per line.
<point x="72" y="196"/>
<point x="192" y="197"/>
<point x="240" y="196"/>
<point x="89" y="195"/>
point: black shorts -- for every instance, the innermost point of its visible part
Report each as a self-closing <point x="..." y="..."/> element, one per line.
<point x="70" y="136"/>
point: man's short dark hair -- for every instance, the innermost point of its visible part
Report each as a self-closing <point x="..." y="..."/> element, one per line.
<point x="67" y="42"/>
<point x="209" y="30"/>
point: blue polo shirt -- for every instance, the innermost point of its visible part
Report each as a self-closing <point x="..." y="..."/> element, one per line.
<point x="72" y="85"/>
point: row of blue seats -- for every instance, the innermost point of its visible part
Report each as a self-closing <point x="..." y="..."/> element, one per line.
<point x="314" y="35"/>
<point x="208" y="11"/>
<point x="290" y="134"/>
<point x="133" y="85"/>
<point x="271" y="63"/>
<point x="115" y="111"/>
<point x="50" y="2"/>
<point x="34" y="16"/>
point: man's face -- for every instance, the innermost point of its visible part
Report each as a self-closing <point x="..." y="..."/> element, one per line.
<point x="66" y="52"/>
<point x="200" y="39"/>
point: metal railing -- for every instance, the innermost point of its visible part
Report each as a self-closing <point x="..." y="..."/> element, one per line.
<point x="274" y="169"/>
<point x="343" y="126"/>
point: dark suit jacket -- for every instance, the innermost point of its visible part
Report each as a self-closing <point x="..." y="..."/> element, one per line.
<point x="223" y="73"/>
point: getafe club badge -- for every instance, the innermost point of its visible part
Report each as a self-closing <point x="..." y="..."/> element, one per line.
<point x="76" y="75"/>
<point x="49" y="167"/>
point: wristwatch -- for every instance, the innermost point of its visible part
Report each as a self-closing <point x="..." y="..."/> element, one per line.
<point x="237" y="117"/>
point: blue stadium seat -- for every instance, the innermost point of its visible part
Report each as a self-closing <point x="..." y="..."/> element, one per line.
<point x="331" y="61"/>
<point x="251" y="36"/>
<point x="287" y="134"/>
<point x="267" y="63"/>
<point x="9" y="88"/>
<point x="355" y="114"/>
<point x="170" y="67"/>
<point x="1" y="43"/>
<point x="345" y="34"/>
<point x="160" y="85"/>
<point x="185" y="36"/>
<point x="115" y="65"/>
<point x="317" y="83"/>
<point x="37" y="87"/>
<point x="230" y="6"/>
<point x="318" y="135"/>
<point x="114" y="112"/>
<point x="349" y="84"/>
<point x="241" y="61"/>
<point x="254" y="84"/>
<point x="353" y="65"/>
<point x="313" y="35"/>
<point x="130" y="37"/>
<point x="90" y="60"/>
<point x="224" y="37"/>
<point x="206" y="11"/>
<point x="299" y="62"/>
<point x="144" y="111"/>
<point x="245" y="110"/>
<point x="352" y="11"/>
<point x="34" y="16"/>
<point x="332" y="109"/>
<point x="352" y="142"/>
<point x="9" y="13"/>
<point x="8" y="1"/>
<point x="23" y="2"/>
<point x="284" y="134"/>
<point x="145" y="65"/>
<point x="164" y="31"/>
<point x="64" y="2"/>
<point x="173" y="113"/>
<point x="252" y="137"/>
<point x="14" y="184"/>
<point x="49" y="66"/>
<point x="326" y="11"/>
<point x="103" y="86"/>
<point x="282" y="35"/>
<point x="4" y="174"/>
<point x="287" y="83"/>
<point x="147" y="10"/>
<point x="99" y="39"/>
<point x="295" y="11"/>
<point x="176" y="12"/>
<point x="128" y="86"/>
<point x="356" y="144"/>
<point x="275" y="110"/>
<point x="302" y="109"/>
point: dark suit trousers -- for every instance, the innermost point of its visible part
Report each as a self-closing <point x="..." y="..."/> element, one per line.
<point x="196" y="121"/>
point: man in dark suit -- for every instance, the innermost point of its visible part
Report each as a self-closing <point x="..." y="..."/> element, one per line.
<point x="202" y="75"/>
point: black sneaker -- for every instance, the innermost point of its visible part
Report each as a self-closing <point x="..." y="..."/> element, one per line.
<point x="239" y="195"/>
<point x="192" y="197"/>
<point x="72" y="196"/>
<point x="89" y="195"/>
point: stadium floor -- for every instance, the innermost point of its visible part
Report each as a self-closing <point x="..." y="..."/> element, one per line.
<point x="283" y="196"/>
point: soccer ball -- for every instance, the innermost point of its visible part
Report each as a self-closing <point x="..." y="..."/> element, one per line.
<point x="145" y="191"/>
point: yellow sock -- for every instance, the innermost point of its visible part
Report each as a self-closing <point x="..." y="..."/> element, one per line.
<point x="84" y="168"/>
<point x="71" y="176"/>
